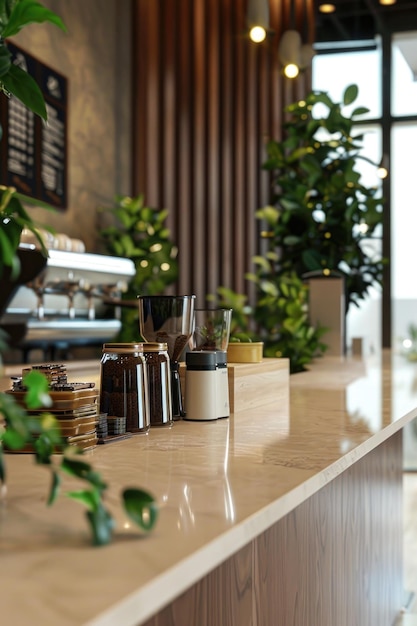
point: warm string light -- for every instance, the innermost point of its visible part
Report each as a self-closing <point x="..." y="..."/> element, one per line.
<point x="382" y="172"/>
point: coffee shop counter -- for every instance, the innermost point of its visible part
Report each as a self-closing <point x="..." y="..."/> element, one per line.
<point x="271" y="517"/>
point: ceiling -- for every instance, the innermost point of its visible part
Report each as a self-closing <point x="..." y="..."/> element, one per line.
<point x="361" y="20"/>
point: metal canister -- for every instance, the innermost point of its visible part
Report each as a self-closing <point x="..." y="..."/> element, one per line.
<point x="159" y="383"/>
<point x="124" y="385"/>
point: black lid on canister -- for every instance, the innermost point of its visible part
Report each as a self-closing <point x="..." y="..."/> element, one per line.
<point x="201" y="360"/>
<point x="221" y="358"/>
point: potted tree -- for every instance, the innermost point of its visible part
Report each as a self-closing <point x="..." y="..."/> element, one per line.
<point x="319" y="220"/>
<point x="322" y="216"/>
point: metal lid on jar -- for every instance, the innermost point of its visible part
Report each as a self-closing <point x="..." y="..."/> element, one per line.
<point x="154" y="346"/>
<point x="123" y="348"/>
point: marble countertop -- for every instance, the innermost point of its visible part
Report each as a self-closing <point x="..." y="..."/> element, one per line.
<point x="219" y="484"/>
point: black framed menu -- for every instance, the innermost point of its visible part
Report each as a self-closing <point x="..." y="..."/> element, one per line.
<point x="33" y="154"/>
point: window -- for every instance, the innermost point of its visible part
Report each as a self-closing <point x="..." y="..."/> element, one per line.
<point x="333" y="72"/>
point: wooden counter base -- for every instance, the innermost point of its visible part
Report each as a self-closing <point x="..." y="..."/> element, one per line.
<point x="335" y="560"/>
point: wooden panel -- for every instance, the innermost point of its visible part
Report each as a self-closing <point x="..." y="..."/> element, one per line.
<point x="205" y="99"/>
<point x="336" y="559"/>
<point x="222" y="597"/>
<point x="181" y="210"/>
<point x="342" y="559"/>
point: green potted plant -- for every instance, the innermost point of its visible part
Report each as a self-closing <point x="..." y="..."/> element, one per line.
<point x="322" y="215"/>
<point x="18" y="429"/>
<point x="278" y="320"/>
<point x="139" y="232"/>
<point x="244" y="346"/>
<point x="319" y="220"/>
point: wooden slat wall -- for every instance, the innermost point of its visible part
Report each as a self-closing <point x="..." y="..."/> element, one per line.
<point x="205" y="99"/>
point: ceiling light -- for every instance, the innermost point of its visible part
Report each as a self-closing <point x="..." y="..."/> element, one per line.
<point x="289" y="49"/>
<point x="291" y="70"/>
<point x="257" y="34"/>
<point x="327" y="8"/>
<point x="258" y="19"/>
<point x="294" y="56"/>
<point x="387" y="2"/>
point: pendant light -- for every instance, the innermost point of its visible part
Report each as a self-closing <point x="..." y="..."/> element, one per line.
<point x="293" y="54"/>
<point x="258" y="19"/>
<point x="289" y="52"/>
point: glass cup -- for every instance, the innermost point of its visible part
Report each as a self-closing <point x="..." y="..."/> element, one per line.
<point x="211" y="329"/>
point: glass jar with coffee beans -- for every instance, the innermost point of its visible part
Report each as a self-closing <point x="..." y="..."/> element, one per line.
<point x="124" y="385"/>
<point x="159" y="383"/>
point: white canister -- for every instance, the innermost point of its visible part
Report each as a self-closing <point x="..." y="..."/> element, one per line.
<point x="201" y="385"/>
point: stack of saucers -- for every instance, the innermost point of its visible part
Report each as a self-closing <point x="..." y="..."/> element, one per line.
<point x="74" y="405"/>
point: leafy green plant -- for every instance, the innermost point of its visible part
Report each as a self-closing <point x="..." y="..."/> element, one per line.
<point x="282" y="312"/>
<point x="321" y="214"/>
<point x="139" y="233"/>
<point x="13" y="219"/>
<point x="15" y="82"/>
<point x="241" y="325"/>
<point x="319" y="220"/>
<point x="15" y="15"/>
<point x="279" y="316"/>
<point x="43" y="435"/>
<point x="20" y="429"/>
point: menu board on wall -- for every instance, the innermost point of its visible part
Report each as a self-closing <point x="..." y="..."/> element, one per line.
<point x="33" y="154"/>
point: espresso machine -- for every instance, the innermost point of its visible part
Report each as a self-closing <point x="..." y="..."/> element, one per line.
<point x="73" y="299"/>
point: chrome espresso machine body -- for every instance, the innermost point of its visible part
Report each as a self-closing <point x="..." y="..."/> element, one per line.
<point x="72" y="301"/>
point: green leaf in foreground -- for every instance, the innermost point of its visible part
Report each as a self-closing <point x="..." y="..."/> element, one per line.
<point x="2" y="466"/>
<point x="55" y="485"/>
<point x="24" y="88"/>
<point x="84" y="471"/>
<point x="102" y="525"/>
<point x="37" y="395"/>
<point x="27" y="12"/>
<point x="141" y="507"/>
